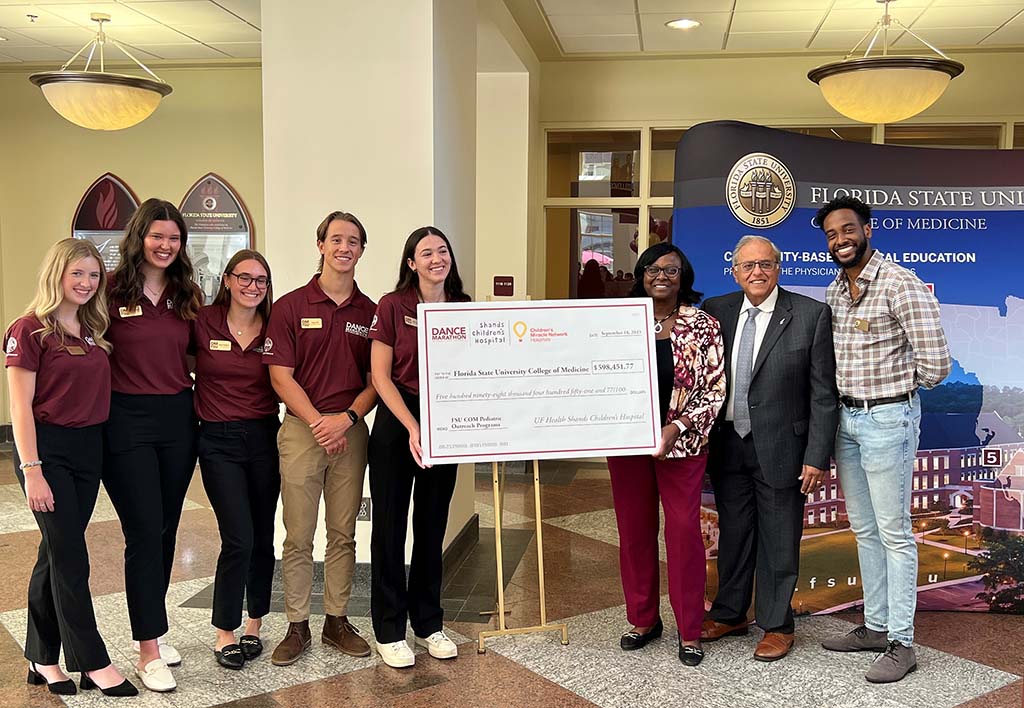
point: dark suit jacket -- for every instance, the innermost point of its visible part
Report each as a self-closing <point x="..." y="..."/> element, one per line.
<point x="793" y="399"/>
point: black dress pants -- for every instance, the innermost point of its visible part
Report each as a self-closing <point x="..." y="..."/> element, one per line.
<point x="759" y="536"/>
<point x="239" y="464"/>
<point x="394" y="478"/>
<point x="60" y="609"/>
<point x="149" y="458"/>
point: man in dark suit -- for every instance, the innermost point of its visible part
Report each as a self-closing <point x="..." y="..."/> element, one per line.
<point x="770" y="445"/>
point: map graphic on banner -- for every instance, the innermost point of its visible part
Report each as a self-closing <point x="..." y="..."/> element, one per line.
<point x="955" y="218"/>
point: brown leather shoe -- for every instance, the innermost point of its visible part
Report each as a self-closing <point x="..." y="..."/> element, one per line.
<point x="711" y="630"/>
<point x="340" y="634"/>
<point x="296" y="640"/>
<point x="774" y="646"/>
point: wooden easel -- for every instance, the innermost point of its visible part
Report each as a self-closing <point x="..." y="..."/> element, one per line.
<point x="503" y="630"/>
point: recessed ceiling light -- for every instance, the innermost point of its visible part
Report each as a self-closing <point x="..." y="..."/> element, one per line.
<point x="682" y="24"/>
<point x="3" y="39"/>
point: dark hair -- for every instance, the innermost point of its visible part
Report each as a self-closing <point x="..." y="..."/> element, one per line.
<point x="321" y="230"/>
<point x="128" y="278"/>
<point x="687" y="295"/>
<point x="862" y="210"/>
<point x="246" y="254"/>
<point x="407" y="278"/>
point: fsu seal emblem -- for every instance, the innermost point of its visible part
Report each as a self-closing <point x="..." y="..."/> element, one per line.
<point x="760" y="191"/>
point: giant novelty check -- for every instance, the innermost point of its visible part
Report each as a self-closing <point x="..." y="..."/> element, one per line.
<point x="537" y="380"/>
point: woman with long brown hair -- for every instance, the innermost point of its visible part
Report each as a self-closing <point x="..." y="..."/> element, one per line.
<point x="427" y="273"/>
<point x="150" y="439"/>
<point x="237" y="410"/>
<point x="58" y="373"/>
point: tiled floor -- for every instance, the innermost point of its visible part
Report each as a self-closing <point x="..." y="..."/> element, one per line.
<point x="974" y="660"/>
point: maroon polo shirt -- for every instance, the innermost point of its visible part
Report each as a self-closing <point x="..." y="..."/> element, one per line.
<point x="325" y="344"/>
<point x="72" y="380"/>
<point x="231" y="383"/>
<point x="395" y="325"/>
<point x="150" y="344"/>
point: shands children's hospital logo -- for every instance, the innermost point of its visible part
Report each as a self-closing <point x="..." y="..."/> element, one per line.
<point x="760" y="191"/>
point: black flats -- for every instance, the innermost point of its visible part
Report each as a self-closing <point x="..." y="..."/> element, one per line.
<point x="634" y="640"/>
<point x="123" y="689"/>
<point x="251" y="646"/>
<point x="61" y="688"/>
<point x="691" y="656"/>
<point x="230" y="657"/>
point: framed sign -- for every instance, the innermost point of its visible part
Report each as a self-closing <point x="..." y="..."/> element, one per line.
<point x="219" y="225"/>
<point x="537" y="380"/>
<point x="102" y="215"/>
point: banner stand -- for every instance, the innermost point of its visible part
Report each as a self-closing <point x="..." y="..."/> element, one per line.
<point x="491" y="613"/>
<point x="502" y="630"/>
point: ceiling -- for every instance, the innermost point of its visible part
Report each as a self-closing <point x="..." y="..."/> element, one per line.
<point x="201" y="30"/>
<point x="637" y="27"/>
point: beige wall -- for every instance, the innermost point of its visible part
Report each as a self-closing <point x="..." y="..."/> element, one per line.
<point x="756" y="89"/>
<point x="211" y="123"/>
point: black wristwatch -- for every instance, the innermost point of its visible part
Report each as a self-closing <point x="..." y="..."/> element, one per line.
<point x="352" y="415"/>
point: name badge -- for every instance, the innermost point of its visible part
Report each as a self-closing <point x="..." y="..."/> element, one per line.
<point x="74" y="350"/>
<point x="311" y="323"/>
<point x="220" y="345"/>
<point x="130" y="311"/>
<point x="411" y="321"/>
<point x="862" y="325"/>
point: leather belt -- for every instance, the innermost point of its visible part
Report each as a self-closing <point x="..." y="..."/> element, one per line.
<point x="866" y="404"/>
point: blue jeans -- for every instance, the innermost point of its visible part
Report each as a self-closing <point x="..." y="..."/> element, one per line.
<point x="875" y="452"/>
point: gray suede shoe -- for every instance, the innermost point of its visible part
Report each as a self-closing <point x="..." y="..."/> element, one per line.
<point x="860" y="639"/>
<point x="897" y="661"/>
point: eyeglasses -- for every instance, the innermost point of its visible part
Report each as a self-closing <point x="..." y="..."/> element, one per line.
<point x="748" y="266"/>
<point x="655" y="271"/>
<point x="245" y="280"/>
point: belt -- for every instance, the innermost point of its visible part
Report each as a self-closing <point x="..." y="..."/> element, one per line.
<point x="851" y="402"/>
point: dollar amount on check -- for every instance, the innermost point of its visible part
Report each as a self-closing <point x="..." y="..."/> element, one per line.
<point x="537" y="380"/>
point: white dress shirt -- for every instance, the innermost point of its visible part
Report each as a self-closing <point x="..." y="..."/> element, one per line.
<point x="760" y="327"/>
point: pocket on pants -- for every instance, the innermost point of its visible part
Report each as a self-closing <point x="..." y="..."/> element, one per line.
<point x="890" y="416"/>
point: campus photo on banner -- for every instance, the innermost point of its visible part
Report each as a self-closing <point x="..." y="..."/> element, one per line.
<point x="955" y="218"/>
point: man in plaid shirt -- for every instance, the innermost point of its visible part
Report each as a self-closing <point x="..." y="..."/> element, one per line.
<point x="889" y="341"/>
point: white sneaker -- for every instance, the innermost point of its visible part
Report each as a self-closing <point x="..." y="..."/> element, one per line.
<point x="397" y="655"/>
<point x="439" y="645"/>
<point x="168" y="653"/>
<point x="157" y="677"/>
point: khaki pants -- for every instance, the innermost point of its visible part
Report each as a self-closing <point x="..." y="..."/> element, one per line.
<point x="306" y="473"/>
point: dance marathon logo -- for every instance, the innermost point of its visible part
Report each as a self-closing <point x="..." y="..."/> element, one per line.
<point x="760" y="191"/>
<point x="442" y="334"/>
<point x="357" y="329"/>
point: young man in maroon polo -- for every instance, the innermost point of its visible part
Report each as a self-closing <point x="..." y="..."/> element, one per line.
<point x="319" y="357"/>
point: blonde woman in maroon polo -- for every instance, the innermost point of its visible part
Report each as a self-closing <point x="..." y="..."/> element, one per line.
<point x="427" y="273"/>
<point x="319" y="357"/>
<point x="237" y="409"/>
<point x="150" y="439"/>
<point x="58" y="373"/>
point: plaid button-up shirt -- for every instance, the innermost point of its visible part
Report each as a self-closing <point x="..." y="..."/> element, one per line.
<point x="889" y="340"/>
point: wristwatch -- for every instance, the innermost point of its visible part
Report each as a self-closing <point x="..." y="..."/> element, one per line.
<point x="352" y="415"/>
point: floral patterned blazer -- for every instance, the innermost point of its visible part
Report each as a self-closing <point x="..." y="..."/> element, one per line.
<point x="698" y="389"/>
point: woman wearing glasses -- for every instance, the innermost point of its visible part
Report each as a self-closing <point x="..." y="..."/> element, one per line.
<point x="237" y="410"/>
<point x="691" y="389"/>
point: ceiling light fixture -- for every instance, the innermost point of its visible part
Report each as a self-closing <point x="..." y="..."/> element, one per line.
<point x="885" y="89"/>
<point x="683" y="24"/>
<point x="101" y="100"/>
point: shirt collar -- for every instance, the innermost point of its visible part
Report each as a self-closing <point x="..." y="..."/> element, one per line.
<point x="767" y="306"/>
<point x="315" y="294"/>
<point x="868" y="274"/>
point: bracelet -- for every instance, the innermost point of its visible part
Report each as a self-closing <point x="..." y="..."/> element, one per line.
<point x="352" y="415"/>
<point x="679" y="424"/>
<point x="34" y="463"/>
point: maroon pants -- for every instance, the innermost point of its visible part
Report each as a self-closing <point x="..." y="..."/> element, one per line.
<point x="637" y="483"/>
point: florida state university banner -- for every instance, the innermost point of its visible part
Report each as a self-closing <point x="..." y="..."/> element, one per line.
<point x="956" y="218"/>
